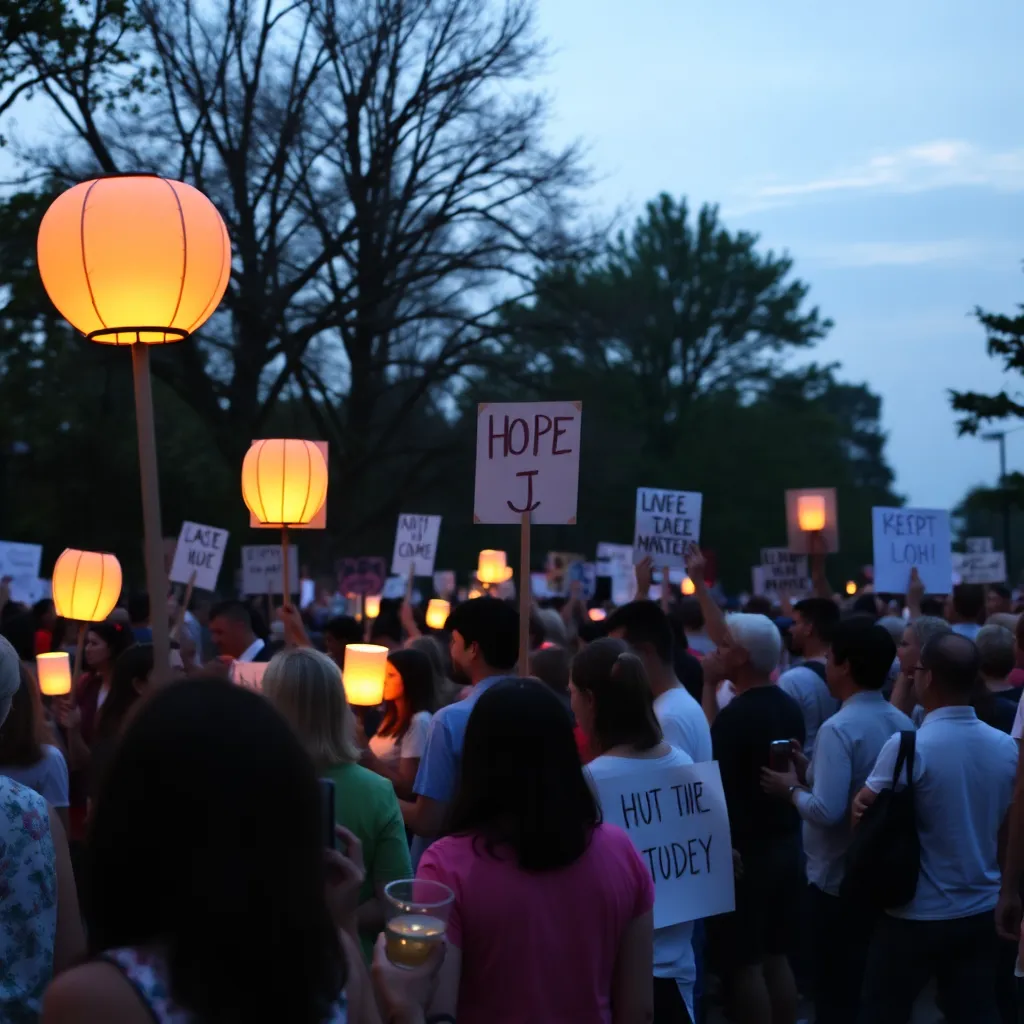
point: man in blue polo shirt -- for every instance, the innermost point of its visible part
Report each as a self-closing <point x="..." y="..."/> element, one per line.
<point x="484" y="650"/>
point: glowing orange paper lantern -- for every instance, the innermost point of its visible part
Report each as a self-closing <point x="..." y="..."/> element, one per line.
<point x="54" y="672"/>
<point x="284" y="482"/>
<point x="371" y="606"/>
<point x="363" y="674"/>
<point x="851" y="588"/>
<point x="493" y="568"/>
<point x="86" y="585"/>
<point x="437" y="613"/>
<point x="687" y="587"/>
<point x="597" y="615"/>
<point x="134" y="258"/>
<point x="810" y="512"/>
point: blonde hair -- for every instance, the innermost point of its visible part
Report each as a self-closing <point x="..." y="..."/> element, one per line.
<point x="305" y="686"/>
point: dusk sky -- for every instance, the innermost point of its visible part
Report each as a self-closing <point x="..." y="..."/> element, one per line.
<point x="881" y="144"/>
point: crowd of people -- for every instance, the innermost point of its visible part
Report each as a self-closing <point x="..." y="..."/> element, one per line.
<point x="162" y="846"/>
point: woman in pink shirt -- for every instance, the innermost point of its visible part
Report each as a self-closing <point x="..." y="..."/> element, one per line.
<point x="552" y="919"/>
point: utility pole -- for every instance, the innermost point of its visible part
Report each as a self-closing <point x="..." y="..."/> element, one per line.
<point x="1000" y="436"/>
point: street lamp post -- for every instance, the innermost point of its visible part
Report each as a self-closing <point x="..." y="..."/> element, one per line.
<point x="1000" y="436"/>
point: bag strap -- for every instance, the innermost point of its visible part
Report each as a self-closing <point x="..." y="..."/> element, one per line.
<point x="908" y="746"/>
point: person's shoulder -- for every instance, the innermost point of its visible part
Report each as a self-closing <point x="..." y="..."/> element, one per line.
<point x="93" y="992"/>
<point x="354" y="777"/>
<point x="422" y="719"/>
<point x="611" y="840"/>
<point x="16" y="795"/>
<point x="54" y="756"/>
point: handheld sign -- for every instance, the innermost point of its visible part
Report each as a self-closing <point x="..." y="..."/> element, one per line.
<point x="912" y="538"/>
<point x="21" y="563"/>
<point x="783" y="572"/>
<point x="261" y="570"/>
<point x="365" y="575"/>
<point x="980" y="546"/>
<point x="527" y="461"/>
<point x="667" y="525"/>
<point x="679" y="824"/>
<point x="415" y="545"/>
<point x="616" y="562"/>
<point x="200" y="551"/>
<point x="981" y="567"/>
<point x="249" y="674"/>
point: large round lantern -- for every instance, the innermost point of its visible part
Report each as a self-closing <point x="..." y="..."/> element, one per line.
<point x="86" y="585"/>
<point x="284" y="482"/>
<point x="134" y="258"/>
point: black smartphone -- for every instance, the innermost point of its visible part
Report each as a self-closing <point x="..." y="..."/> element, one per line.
<point x="779" y="755"/>
<point x="327" y="812"/>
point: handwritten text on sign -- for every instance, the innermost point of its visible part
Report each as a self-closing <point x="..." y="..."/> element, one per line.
<point x="679" y="824"/>
<point x="415" y="545"/>
<point x="527" y="460"/>
<point x="200" y="550"/>
<point x="261" y="570"/>
<point x="667" y="525"/>
<point x="984" y="567"/>
<point x="912" y="538"/>
<point x="784" y="573"/>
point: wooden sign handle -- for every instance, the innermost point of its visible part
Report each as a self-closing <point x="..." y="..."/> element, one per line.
<point x="525" y="595"/>
<point x="665" y="590"/>
<point x="179" y="618"/>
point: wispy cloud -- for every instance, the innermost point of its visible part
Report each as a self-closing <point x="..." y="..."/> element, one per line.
<point x="952" y="251"/>
<point x="943" y="163"/>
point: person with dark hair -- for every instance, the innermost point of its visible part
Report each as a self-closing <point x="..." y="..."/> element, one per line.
<point x="44" y="618"/>
<point x="484" y="649"/>
<point x="998" y="600"/>
<point x="611" y="697"/>
<point x="963" y="773"/>
<point x="965" y="608"/>
<point x="139" y="617"/>
<point x="234" y="636"/>
<point x="447" y="690"/>
<point x="997" y="699"/>
<point x="193" y="911"/>
<point x="339" y="632"/>
<point x="128" y="681"/>
<point x="19" y="630"/>
<point x="849" y="743"/>
<point x="410" y="701"/>
<point x="552" y="918"/>
<point x="647" y="630"/>
<point x="26" y="753"/>
<point x="551" y="665"/>
<point x="814" y="618"/>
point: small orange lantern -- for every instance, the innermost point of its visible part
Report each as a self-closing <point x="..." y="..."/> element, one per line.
<point x="810" y="512"/>
<point x="493" y="568"/>
<point x="437" y="613"/>
<point x="363" y="674"/>
<point x="851" y="588"/>
<point x="687" y="587"/>
<point x="597" y="615"/>
<point x="371" y="606"/>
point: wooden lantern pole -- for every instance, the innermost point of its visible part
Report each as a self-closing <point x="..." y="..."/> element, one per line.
<point x="156" y="574"/>
<point x="285" y="575"/>
<point x="525" y="595"/>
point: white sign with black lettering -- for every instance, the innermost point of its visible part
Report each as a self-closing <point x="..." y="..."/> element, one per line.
<point x="679" y="824"/>
<point x="984" y="567"/>
<point x="784" y="572"/>
<point x="667" y="525"/>
<point x="415" y="545"/>
<point x="200" y="550"/>
<point x="20" y="564"/>
<point x="616" y="562"/>
<point x="261" y="569"/>
<point x="527" y="460"/>
<point x="979" y="546"/>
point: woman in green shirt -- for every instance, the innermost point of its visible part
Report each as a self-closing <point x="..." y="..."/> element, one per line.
<point x="305" y="686"/>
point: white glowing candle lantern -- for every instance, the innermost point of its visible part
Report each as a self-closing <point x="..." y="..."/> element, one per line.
<point x="437" y="613"/>
<point x="363" y="674"/>
<point x="810" y="512"/>
<point x="54" y="671"/>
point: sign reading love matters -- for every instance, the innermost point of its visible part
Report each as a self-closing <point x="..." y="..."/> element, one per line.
<point x="200" y="551"/>
<point x="667" y="525"/>
<point x="679" y="824"/>
<point x="527" y="460"/>
<point x="415" y="545"/>
<point x="912" y="538"/>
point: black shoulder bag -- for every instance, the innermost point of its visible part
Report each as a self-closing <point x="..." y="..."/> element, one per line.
<point x="884" y="858"/>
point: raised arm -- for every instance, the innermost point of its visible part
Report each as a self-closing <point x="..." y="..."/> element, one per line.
<point x="714" y="618"/>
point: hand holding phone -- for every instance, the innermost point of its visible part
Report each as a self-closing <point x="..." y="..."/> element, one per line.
<point x="779" y="755"/>
<point x="327" y="813"/>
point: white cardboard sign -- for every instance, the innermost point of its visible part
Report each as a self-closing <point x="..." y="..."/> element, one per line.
<point x="527" y="459"/>
<point x="912" y="538"/>
<point x="261" y="569"/>
<point x="783" y="572"/>
<point x="249" y="674"/>
<point x="200" y="550"/>
<point x="21" y="563"/>
<point x="667" y="525"/>
<point x="982" y="567"/>
<point x="679" y="824"/>
<point x="979" y="546"/>
<point x="616" y="561"/>
<point x="415" y="545"/>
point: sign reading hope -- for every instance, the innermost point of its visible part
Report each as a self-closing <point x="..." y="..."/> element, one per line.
<point x="415" y="545"/>
<point x="667" y="525"/>
<point x="909" y="538"/>
<point x="678" y="823"/>
<point x="200" y="550"/>
<point x="527" y="460"/>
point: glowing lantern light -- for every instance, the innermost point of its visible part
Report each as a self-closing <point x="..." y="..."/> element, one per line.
<point x="597" y="615"/>
<point x="134" y="258"/>
<point x="810" y="512"/>
<point x="371" y="606"/>
<point x="687" y="587"/>
<point x="851" y="588"/>
<point x="363" y="675"/>
<point x="493" y="568"/>
<point x="437" y="613"/>
<point x="284" y="482"/>
<point x="86" y="585"/>
<point x="474" y="593"/>
<point x="54" y="671"/>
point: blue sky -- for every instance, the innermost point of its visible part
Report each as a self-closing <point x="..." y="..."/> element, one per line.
<point x="882" y="144"/>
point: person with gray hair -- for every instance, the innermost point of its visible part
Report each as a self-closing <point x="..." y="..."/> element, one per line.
<point x="38" y="902"/>
<point x="752" y="944"/>
<point x="908" y="652"/>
